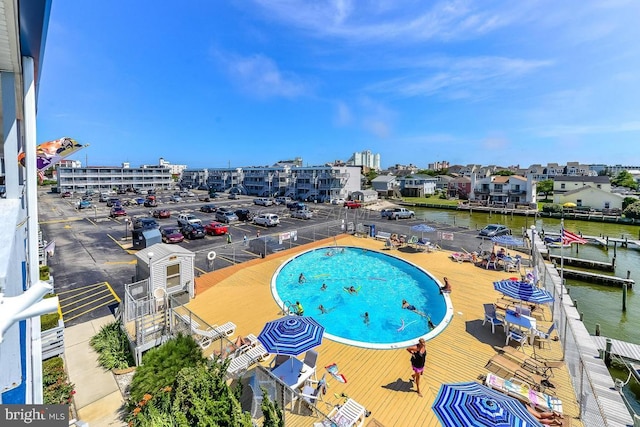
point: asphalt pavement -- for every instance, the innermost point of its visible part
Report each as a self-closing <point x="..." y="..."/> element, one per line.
<point x="92" y="260"/>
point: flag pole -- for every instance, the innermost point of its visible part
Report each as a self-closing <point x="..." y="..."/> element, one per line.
<point x="561" y="258"/>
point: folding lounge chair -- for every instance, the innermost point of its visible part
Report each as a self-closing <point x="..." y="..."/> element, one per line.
<point x="244" y="361"/>
<point x="350" y="414"/>
<point x="506" y="368"/>
<point x="540" y="367"/>
<point x="205" y="337"/>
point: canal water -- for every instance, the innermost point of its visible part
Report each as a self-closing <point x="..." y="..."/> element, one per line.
<point x="600" y="304"/>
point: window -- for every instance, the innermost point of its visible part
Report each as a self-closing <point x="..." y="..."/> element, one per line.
<point x="173" y="275"/>
<point x="607" y="205"/>
<point x="562" y="186"/>
<point x="599" y="185"/>
<point x="579" y="202"/>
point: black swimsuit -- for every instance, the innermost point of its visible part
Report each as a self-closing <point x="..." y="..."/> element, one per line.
<point x="418" y="359"/>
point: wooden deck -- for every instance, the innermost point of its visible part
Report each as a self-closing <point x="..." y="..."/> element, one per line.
<point x="379" y="379"/>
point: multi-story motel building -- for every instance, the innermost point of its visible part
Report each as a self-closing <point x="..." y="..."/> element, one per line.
<point x="105" y="178"/>
<point x="320" y="183"/>
<point x="23" y="25"/>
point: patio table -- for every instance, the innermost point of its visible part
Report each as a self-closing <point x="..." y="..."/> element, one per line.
<point x="522" y="321"/>
<point x="293" y="372"/>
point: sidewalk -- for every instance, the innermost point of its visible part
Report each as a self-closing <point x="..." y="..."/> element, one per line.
<point x="98" y="399"/>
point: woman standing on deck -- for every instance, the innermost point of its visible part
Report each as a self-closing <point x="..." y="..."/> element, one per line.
<point x="418" y="359"/>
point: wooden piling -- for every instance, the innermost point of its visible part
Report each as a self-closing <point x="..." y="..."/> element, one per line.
<point x="581" y="316"/>
<point x="624" y="297"/>
<point x="575" y="303"/>
<point x="615" y="247"/>
<point x="597" y="329"/>
<point x="607" y="352"/>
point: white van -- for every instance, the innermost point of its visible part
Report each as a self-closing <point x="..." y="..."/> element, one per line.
<point x="263" y="201"/>
<point x="267" y="220"/>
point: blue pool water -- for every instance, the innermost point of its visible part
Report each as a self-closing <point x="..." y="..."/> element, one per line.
<point x="382" y="281"/>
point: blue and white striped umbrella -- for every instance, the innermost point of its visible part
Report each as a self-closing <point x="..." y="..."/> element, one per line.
<point x="524" y="291"/>
<point x="292" y="335"/>
<point x="475" y="405"/>
<point x="423" y="228"/>
<point x="507" y="240"/>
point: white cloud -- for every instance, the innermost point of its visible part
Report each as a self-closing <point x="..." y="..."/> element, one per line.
<point x="587" y="129"/>
<point x="460" y="77"/>
<point x="344" y="116"/>
<point x="261" y="77"/>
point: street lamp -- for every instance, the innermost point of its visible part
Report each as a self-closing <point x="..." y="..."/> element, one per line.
<point x="150" y="256"/>
<point x="126" y="227"/>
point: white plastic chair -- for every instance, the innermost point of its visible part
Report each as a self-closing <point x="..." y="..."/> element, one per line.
<point x="491" y="316"/>
<point x="350" y="414"/>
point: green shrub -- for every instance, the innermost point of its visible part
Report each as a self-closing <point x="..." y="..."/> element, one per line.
<point x="112" y="346"/>
<point x="56" y="388"/>
<point x="49" y="320"/>
<point x="632" y="211"/>
<point x="552" y="208"/>
<point x="160" y="366"/>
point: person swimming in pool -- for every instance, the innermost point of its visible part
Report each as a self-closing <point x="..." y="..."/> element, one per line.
<point x="322" y="309"/>
<point x="413" y="308"/>
<point x="351" y="289"/>
<point x="323" y="287"/>
<point x="301" y="278"/>
<point x="299" y="310"/>
<point x="365" y="317"/>
<point x="408" y="306"/>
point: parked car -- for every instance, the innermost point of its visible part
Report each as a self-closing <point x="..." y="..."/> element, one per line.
<point x="226" y="216"/>
<point x="265" y="245"/>
<point x="150" y="202"/>
<point x="339" y="201"/>
<point x="296" y="206"/>
<point x="84" y="204"/>
<point x="214" y="195"/>
<point x="171" y="234"/>
<point x="267" y="220"/>
<point x="184" y="219"/>
<point x="208" y="208"/>
<point x="145" y="223"/>
<point x="161" y="213"/>
<point x="233" y="196"/>
<point x="193" y="231"/>
<point x="215" y="228"/>
<point x="204" y="198"/>
<point x="117" y="211"/>
<point x="302" y="214"/>
<point x="112" y="202"/>
<point x="263" y="201"/>
<point x="66" y="194"/>
<point x="139" y="201"/>
<point x="283" y="200"/>
<point x="493" y="230"/>
<point x="244" y="214"/>
<point x="175" y="199"/>
<point x="352" y="204"/>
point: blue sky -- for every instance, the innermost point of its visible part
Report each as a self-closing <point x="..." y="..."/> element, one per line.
<point x="218" y="83"/>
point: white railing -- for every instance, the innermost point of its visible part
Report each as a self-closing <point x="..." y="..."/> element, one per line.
<point x="53" y="341"/>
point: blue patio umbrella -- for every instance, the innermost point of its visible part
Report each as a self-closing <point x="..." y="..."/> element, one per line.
<point x="507" y="240"/>
<point x="291" y="335"/>
<point x="523" y="291"/>
<point x="423" y="228"/>
<point x="475" y="405"/>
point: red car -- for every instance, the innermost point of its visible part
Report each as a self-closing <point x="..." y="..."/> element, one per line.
<point x="117" y="211"/>
<point x="161" y="213"/>
<point x="216" y="229"/>
<point x="171" y="235"/>
<point x="352" y="204"/>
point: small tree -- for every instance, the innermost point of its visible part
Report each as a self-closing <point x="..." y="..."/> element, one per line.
<point x="628" y="201"/>
<point x="552" y="208"/>
<point x="545" y="187"/>
<point x="625" y="179"/>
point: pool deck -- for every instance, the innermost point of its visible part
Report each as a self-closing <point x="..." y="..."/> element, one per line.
<point x="379" y="379"/>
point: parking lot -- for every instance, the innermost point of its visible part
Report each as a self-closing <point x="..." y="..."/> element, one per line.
<point x="93" y="262"/>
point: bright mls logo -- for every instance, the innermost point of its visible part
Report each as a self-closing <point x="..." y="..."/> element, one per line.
<point x="35" y="415"/>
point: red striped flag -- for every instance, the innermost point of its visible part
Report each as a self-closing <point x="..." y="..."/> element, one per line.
<point x="41" y="176"/>
<point x="569" y="237"/>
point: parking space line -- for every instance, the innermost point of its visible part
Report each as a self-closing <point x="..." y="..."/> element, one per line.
<point x="108" y="297"/>
<point x="57" y="221"/>
<point x="95" y="285"/>
<point x="112" y="292"/>
<point x="68" y="319"/>
<point x="73" y="301"/>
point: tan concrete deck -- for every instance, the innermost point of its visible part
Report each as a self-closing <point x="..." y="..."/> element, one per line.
<point x="379" y="379"/>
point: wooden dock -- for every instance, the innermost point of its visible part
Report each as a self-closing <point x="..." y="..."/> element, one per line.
<point x="619" y="348"/>
<point x="623" y="242"/>
<point x="597" y="278"/>
<point x="585" y="263"/>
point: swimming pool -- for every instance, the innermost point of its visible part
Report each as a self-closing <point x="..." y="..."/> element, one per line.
<point x="382" y="281"/>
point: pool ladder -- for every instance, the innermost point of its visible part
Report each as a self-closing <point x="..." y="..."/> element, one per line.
<point x="288" y="308"/>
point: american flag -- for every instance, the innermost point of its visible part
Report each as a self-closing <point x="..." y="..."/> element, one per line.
<point x="41" y="175"/>
<point x="569" y="237"/>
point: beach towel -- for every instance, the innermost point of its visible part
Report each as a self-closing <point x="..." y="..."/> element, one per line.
<point x="333" y="370"/>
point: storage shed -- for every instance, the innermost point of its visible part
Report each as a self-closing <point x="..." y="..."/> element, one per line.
<point x="169" y="268"/>
<point x="365" y="196"/>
